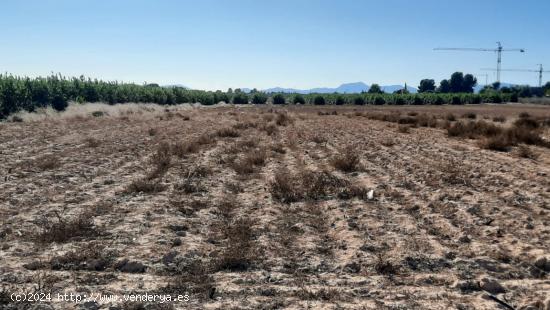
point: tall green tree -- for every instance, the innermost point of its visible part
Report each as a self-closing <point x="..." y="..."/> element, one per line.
<point x="457" y="82"/>
<point x="468" y="83"/>
<point x="375" y="89"/>
<point x="426" y="86"/>
<point x="444" y="87"/>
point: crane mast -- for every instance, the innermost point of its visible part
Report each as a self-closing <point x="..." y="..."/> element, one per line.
<point x="540" y="70"/>
<point x="498" y="50"/>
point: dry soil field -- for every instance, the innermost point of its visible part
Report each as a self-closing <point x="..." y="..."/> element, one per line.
<point x="272" y="208"/>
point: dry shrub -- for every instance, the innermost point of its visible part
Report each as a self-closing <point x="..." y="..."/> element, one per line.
<point x="524" y="115"/>
<point x="181" y="149"/>
<point x="278" y="148"/>
<point x="450" y="117"/>
<point x="470" y="115"/>
<point x="320" y="184"/>
<point x="384" y="266"/>
<point x="92" y="142"/>
<point x="404" y="129"/>
<point x="91" y="256"/>
<point x="283" y="119"/>
<point x="64" y="229"/>
<point x="245" y="125"/>
<point x="194" y="277"/>
<point x="528" y="123"/>
<point x="190" y="185"/>
<point x="160" y="160"/>
<point x="205" y="139"/>
<point x="250" y="143"/>
<point x="388" y="142"/>
<point x="526" y="152"/>
<point x="197" y="171"/>
<point x="324" y="294"/>
<point x="453" y="173"/>
<point x="241" y="167"/>
<point x="424" y="120"/>
<point x="500" y="143"/>
<point x="407" y="120"/>
<point x="412" y="113"/>
<point x="319" y="139"/>
<point x="47" y="162"/>
<point x="270" y="129"/>
<point x="227" y="133"/>
<point x="347" y="160"/>
<point x="240" y="251"/>
<point x="284" y="187"/>
<point x="499" y="119"/>
<point x="145" y="185"/>
<point x="192" y="179"/>
<point x="473" y="130"/>
<point x="314" y="185"/>
<point x="227" y="206"/>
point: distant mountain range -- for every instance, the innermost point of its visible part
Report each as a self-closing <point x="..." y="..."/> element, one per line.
<point x="347" y="88"/>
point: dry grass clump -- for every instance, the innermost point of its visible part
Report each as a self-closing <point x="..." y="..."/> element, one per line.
<point x="92" y="142"/>
<point x="240" y="251"/>
<point x="314" y="185"/>
<point x="249" y="143"/>
<point x="63" y="229"/>
<point x="227" y="206"/>
<point x="252" y="159"/>
<point x="278" y="148"/>
<point x="499" y="119"/>
<point x="182" y="149"/>
<point x="321" y="184"/>
<point x="384" y="266"/>
<point x="47" y="162"/>
<point x="283" y="119"/>
<point x="92" y="256"/>
<point x="197" y="171"/>
<point x="245" y="125"/>
<point x="347" y="160"/>
<point x="324" y="294"/>
<point x="404" y="129"/>
<point x="228" y="133"/>
<point x="528" y="123"/>
<point x="423" y="120"/>
<point x="499" y="143"/>
<point x="192" y="179"/>
<point x="194" y="277"/>
<point x="473" y="130"/>
<point x="284" y="187"/>
<point x="145" y="185"/>
<point x="160" y="160"/>
<point x="270" y="129"/>
<point x="526" y="152"/>
<point x="450" y="117"/>
<point x="470" y="115"/>
<point x="499" y="138"/>
<point x="319" y="138"/>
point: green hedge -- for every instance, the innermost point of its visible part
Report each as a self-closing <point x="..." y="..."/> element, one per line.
<point x="18" y="93"/>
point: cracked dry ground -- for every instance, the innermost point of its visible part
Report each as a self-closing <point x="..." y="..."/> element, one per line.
<point x="243" y="208"/>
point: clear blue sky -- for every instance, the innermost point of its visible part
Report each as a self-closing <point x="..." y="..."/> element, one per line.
<point x="208" y="44"/>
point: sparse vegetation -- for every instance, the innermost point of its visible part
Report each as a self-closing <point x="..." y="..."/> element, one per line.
<point x="280" y="206"/>
<point x="347" y="160"/>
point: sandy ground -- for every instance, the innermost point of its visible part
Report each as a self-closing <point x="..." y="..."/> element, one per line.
<point x="132" y="203"/>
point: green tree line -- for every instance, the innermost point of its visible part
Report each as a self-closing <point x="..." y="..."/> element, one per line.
<point x="24" y="93"/>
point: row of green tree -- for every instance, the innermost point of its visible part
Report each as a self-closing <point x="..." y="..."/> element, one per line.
<point x="23" y="93"/>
